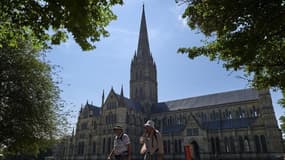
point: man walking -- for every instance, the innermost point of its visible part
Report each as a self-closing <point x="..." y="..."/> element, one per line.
<point x="122" y="146"/>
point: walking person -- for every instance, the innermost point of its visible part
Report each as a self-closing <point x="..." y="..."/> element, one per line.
<point x="122" y="145"/>
<point x="151" y="139"/>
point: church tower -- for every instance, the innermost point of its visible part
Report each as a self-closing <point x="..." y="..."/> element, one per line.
<point x="143" y="81"/>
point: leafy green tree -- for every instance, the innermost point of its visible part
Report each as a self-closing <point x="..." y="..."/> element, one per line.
<point x="49" y="21"/>
<point x="30" y="112"/>
<point x="30" y="107"/>
<point x="246" y="35"/>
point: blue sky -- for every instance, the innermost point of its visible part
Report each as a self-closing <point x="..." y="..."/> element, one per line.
<point x="86" y="74"/>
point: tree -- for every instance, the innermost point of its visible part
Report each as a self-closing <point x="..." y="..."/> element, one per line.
<point x="30" y="108"/>
<point x="247" y="35"/>
<point x="49" y="21"/>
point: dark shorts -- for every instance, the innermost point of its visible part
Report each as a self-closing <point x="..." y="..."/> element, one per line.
<point x="123" y="156"/>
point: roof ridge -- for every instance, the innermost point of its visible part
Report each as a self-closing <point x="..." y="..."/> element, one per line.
<point x="211" y="94"/>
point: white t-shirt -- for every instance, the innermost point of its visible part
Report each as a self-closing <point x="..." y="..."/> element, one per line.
<point x="121" y="143"/>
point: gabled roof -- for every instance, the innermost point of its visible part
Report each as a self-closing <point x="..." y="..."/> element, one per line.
<point x="96" y="111"/>
<point x="130" y="103"/>
<point x="207" y="100"/>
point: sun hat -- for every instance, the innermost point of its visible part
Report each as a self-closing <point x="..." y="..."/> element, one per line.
<point x="117" y="128"/>
<point x="149" y="123"/>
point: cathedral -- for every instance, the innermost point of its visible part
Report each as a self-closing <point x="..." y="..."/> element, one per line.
<point x="238" y="124"/>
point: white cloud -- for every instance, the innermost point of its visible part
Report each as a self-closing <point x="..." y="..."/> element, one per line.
<point x="182" y="20"/>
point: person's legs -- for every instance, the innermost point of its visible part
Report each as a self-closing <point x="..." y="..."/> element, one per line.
<point x="154" y="156"/>
<point x="159" y="156"/>
<point x="125" y="157"/>
<point x="118" y="157"/>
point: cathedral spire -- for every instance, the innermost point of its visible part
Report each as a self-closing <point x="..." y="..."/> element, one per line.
<point x="143" y="81"/>
<point x="143" y="44"/>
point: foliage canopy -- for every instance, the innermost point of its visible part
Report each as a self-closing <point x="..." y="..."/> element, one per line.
<point x="30" y="110"/>
<point x="49" y="21"/>
<point x="249" y="35"/>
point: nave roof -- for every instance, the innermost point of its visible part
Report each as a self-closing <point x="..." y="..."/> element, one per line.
<point x="207" y="100"/>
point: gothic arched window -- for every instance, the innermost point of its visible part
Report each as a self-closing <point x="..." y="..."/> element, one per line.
<point x="232" y="144"/>
<point x="114" y="118"/>
<point x="237" y="114"/>
<point x="104" y="145"/>
<point x="175" y="146"/>
<point x="213" y="147"/>
<point x="257" y="144"/>
<point x="263" y="143"/>
<point x="109" y="145"/>
<point x="141" y="92"/>
<point x="136" y="76"/>
<point x="218" y="145"/>
<point x="80" y="148"/>
<point x="94" y="125"/>
<point x="141" y="75"/>
<point x="243" y="114"/>
<point x="251" y="113"/>
<point x="214" y="115"/>
<point x="257" y="112"/>
<point x="179" y="146"/>
<point x="254" y="111"/>
<point x="136" y="92"/>
<point x="241" y="148"/>
<point x="226" y="114"/>
<point x="128" y="118"/>
<point x="94" y="147"/>
<point x="168" y="146"/>
<point x="165" y="146"/>
<point x="246" y="144"/>
<point x="227" y="146"/>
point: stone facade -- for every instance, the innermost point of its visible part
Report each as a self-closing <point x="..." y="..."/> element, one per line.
<point x="237" y="124"/>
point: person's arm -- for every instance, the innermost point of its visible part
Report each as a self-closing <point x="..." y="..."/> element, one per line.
<point x="160" y="144"/>
<point x="129" y="151"/>
<point x="160" y="147"/>
<point x="111" y="154"/>
<point x="143" y="141"/>
<point x="143" y="149"/>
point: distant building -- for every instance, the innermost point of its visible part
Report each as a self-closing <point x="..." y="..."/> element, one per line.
<point x="238" y="124"/>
